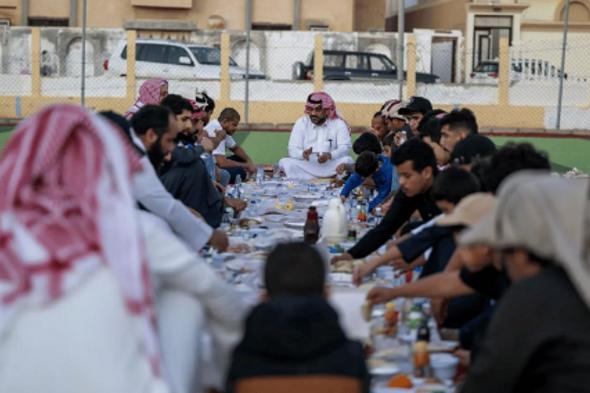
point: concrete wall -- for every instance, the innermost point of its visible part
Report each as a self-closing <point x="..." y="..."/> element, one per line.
<point x="339" y="15"/>
<point x="272" y="11"/>
<point x="49" y="9"/>
<point x="434" y="14"/>
<point x="10" y="9"/>
<point x="368" y="15"/>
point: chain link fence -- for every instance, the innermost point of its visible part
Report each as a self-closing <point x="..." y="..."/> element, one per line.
<point x="358" y="69"/>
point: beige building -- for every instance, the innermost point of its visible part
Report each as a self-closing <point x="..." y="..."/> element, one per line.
<point x="184" y="15"/>
<point x="534" y="27"/>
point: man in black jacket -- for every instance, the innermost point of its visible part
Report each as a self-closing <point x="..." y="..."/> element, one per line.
<point x="296" y="332"/>
<point x="416" y="166"/>
<point x="186" y="176"/>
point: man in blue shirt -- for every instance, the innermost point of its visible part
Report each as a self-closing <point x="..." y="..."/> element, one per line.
<point x="379" y="169"/>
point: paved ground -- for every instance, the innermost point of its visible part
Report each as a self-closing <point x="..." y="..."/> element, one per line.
<point x="269" y="147"/>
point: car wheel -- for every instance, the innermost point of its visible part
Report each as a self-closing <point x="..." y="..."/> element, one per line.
<point x="299" y="70"/>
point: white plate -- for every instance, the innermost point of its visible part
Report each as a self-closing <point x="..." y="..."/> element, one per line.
<point x="307" y="197"/>
<point x="244" y="265"/>
<point x="443" y="346"/>
<point x="275" y="218"/>
<point x="385" y="370"/>
<point x="295" y="224"/>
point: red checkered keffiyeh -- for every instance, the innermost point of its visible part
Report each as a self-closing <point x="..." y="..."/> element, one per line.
<point x="65" y="180"/>
<point x="149" y="94"/>
<point x="323" y="99"/>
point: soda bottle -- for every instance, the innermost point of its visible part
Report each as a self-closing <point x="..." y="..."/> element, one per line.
<point x="311" y="230"/>
<point x="391" y="319"/>
<point x="423" y="333"/>
<point x="421" y="360"/>
<point x="362" y="214"/>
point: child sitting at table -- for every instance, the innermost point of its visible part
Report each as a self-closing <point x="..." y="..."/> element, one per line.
<point x="379" y="169"/>
<point x="388" y="145"/>
<point x="293" y="337"/>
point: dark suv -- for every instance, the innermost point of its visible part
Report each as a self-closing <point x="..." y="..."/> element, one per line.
<point x="347" y="65"/>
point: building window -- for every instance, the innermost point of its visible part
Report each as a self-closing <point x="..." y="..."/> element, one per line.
<point x="49" y="22"/>
<point x="579" y="12"/>
<point x="271" y="26"/>
<point x="487" y="33"/>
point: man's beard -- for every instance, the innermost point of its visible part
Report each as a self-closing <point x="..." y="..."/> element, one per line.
<point x="156" y="155"/>
<point x="186" y="138"/>
<point x="318" y="121"/>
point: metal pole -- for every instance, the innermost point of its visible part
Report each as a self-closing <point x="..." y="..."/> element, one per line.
<point x="401" y="13"/>
<point x="83" y="84"/>
<point x="73" y="13"/>
<point x="24" y="13"/>
<point x="247" y="90"/>
<point x="296" y="15"/>
<point x="563" y="53"/>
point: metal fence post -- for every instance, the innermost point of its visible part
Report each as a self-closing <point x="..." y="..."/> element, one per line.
<point x="247" y="87"/>
<point x="411" y="73"/>
<point x="224" y="92"/>
<point x="131" y="77"/>
<point x="401" y="16"/>
<point x="504" y="73"/>
<point x="36" y="62"/>
<point x="318" y="63"/>
<point x="563" y="53"/>
<point x="83" y="76"/>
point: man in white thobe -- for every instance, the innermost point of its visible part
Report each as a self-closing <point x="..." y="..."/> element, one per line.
<point x="319" y="142"/>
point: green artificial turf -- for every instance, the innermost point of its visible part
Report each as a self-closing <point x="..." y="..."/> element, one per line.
<point x="565" y="153"/>
<point x="267" y="147"/>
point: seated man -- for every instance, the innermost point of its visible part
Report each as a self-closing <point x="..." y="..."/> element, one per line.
<point x="537" y="340"/>
<point x="76" y="311"/>
<point x="240" y="163"/>
<point x="193" y="304"/>
<point x="319" y="141"/>
<point x="414" y="111"/>
<point x="186" y="176"/>
<point x="373" y="166"/>
<point x="416" y="166"/>
<point x="429" y="132"/>
<point x="393" y="120"/>
<point x="295" y="332"/>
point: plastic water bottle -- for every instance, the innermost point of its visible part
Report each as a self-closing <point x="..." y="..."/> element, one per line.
<point x="252" y="209"/>
<point x="259" y="175"/>
<point x="238" y="185"/>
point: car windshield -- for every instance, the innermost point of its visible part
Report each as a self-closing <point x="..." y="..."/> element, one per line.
<point x="486" y="67"/>
<point x="209" y="56"/>
<point x="382" y="63"/>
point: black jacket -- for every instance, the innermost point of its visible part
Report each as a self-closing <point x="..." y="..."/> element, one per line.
<point x="538" y="340"/>
<point x="186" y="178"/>
<point x="400" y="211"/>
<point x="289" y="336"/>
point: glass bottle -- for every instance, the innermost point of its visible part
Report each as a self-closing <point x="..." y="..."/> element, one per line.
<point x="311" y="230"/>
<point x="421" y="360"/>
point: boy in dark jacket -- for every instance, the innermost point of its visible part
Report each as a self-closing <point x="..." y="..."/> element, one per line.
<point x="295" y="331"/>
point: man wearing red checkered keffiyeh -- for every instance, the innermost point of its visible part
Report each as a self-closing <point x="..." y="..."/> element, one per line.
<point x="76" y="302"/>
<point x="319" y="141"/>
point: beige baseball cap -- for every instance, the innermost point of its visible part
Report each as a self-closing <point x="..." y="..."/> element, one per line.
<point x="470" y="211"/>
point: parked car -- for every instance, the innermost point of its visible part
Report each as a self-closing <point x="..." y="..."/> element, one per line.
<point x="173" y="60"/>
<point x="349" y="65"/>
<point x="521" y="69"/>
